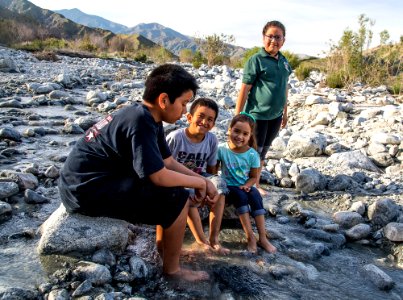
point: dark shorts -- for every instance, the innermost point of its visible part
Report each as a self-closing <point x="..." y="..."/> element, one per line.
<point x="120" y="198"/>
<point x="266" y="131"/>
<point x="246" y="202"/>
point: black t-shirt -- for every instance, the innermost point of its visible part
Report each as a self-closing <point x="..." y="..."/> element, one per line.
<point x="127" y="144"/>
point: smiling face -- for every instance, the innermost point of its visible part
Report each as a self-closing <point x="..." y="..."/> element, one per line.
<point x="239" y="135"/>
<point x="202" y="120"/>
<point x="172" y="112"/>
<point x="273" y="40"/>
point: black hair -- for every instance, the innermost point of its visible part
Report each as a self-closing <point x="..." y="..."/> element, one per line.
<point x="171" y="79"/>
<point x="206" y="102"/>
<point x="251" y="122"/>
<point x="273" y="24"/>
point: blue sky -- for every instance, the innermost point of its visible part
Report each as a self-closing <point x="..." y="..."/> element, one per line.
<point x="311" y="24"/>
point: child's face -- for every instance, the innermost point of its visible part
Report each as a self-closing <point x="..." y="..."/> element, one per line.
<point x="202" y="120"/>
<point x="273" y="40"/>
<point x="172" y="112"/>
<point x="239" y="135"/>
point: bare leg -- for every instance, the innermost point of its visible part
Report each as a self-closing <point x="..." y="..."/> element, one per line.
<point x="159" y="239"/>
<point x="261" y="190"/>
<point x="215" y="225"/>
<point x="172" y="239"/>
<point x="247" y="227"/>
<point x="195" y="225"/>
<point x="263" y="241"/>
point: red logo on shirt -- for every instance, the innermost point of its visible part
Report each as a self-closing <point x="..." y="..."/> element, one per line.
<point x="94" y="131"/>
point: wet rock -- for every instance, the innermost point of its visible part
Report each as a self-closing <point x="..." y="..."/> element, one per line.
<point x="394" y="232"/>
<point x="83" y="288"/>
<point x="32" y="197"/>
<point x="5" y="211"/>
<point x="59" y="294"/>
<point x="104" y="257"/>
<point x="335" y="239"/>
<point x="18" y="294"/>
<point x="378" y="277"/>
<point x="242" y="281"/>
<point x="94" y="273"/>
<point x="10" y="134"/>
<point x="8" y="189"/>
<point x="138" y="267"/>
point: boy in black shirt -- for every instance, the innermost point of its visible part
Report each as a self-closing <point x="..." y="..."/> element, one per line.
<point x="123" y="168"/>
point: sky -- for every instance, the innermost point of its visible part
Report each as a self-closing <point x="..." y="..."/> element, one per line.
<point x="311" y="25"/>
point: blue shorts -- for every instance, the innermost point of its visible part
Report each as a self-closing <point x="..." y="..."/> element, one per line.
<point x="246" y="202"/>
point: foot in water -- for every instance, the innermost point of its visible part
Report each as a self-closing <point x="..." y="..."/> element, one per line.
<point x="267" y="246"/>
<point x="188" y="275"/>
<point x="220" y="249"/>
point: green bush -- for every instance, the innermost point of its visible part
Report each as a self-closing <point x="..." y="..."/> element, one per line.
<point x="292" y="58"/>
<point x="335" y="80"/>
<point x="198" y="59"/>
<point x="141" y="57"/>
<point x="302" y="71"/>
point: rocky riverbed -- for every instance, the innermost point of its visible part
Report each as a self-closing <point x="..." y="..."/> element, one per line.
<point x="335" y="178"/>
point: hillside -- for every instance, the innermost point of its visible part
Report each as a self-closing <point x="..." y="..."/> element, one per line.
<point x="56" y="25"/>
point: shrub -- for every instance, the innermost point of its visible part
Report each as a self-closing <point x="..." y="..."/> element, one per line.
<point x="198" y="60"/>
<point x="140" y="57"/>
<point x="302" y="71"/>
<point x="292" y="58"/>
<point x="336" y="79"/>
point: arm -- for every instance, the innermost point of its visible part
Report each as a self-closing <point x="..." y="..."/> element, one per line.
<point x="285" y="115"/>
<point x="251" y="181"/>
<point x="243" y="94"/>
<point x="212" y="169"/>
<point x="172" y="165"/>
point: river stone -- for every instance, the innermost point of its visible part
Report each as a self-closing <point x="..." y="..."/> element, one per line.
<point x="64" y="233"/>
<point x="95" y="273"/>
<point x="306" y="144"/>
<point x="32" y="197"/>
<point x="347" y="219"/>
<point x="5" y="211"/>
<point x="16" y="293"/>
<point x="382" y="211"/>
<point x="358" y="207"/>
<point x="8" y="189"/>
<point x="340" y="182"/>
<point x="353" y="159"/>
<point x="138" y="267"/>
<point x="378" y="277"/>
<point x="10" y="134"/>
<point x="358" y="232"/>
<point x="394" y="232"/>
<point x="310" y="180"/>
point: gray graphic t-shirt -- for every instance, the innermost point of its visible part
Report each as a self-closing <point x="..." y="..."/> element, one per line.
<point x="195" y="156"/>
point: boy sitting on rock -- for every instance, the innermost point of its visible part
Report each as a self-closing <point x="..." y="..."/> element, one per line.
<point x="123" y="168"/>
<point x="196" y="148"/>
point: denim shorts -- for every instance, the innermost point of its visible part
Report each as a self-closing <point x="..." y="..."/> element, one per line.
<point x="246" y="202"/>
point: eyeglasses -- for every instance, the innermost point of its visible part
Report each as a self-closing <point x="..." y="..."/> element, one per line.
<point x="277" y="38"/>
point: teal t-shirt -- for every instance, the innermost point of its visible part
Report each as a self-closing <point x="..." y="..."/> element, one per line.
<point x="269" y="79"/>
<point x="235" y="167"/>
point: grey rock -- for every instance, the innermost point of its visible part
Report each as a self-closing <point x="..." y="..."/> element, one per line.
<point x="358" y="232"/>
<point x="310" y="180"/>
<point x="353" y="159"/>
<point x="8" y="189"/>
<point x="32" y="197"/>
<point x="347" y="219"/>
<point x="378" y="277"/>
<point x="96" y="274"/>
<point x="382" y="211"/>
<point x="394" y="232"/>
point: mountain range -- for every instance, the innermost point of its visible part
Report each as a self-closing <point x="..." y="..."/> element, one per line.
<point x="73" y="24"/>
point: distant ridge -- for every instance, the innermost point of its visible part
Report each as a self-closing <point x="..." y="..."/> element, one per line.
<point x="93" y="21"/>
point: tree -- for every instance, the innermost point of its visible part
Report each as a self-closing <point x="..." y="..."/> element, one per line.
<point x="214" y="46"/>
<point x="384" y="35"/>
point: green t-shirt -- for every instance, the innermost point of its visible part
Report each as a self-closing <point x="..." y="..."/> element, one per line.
<point x="269" y="80"/>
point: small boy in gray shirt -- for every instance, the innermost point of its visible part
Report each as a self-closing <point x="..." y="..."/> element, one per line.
<point x="196" y="148"/>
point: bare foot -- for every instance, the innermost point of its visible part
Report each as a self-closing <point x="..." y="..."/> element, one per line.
<point x="252" y="246"/>
<point x="188" y="275"/>
<point x="267" y="246"/>
<point x="220" y="249"/>
<point x="262" y="191"/>
<point x="200" y="246"/>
